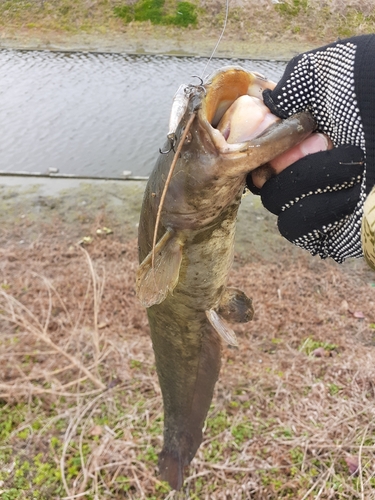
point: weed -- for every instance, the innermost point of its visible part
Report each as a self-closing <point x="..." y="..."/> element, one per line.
<point x="242" y="432"/>
<point x="149" y="10"/>
<point x="154" y="10"/>
<point x="10" y="418"/>
<point x="309" y="345"/>
<point x="124" y="12"/>
<point x="334" y="389"/>
<point x="291" y="7"/>
<point x="296" y="455"/>
<point x="218" y="423"/>
<point x="185" y="15"/>
<point x="135" y="364"/>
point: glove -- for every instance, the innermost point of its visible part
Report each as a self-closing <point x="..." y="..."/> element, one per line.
<point x="335" y="83"/>
<point x="314" y="195"/>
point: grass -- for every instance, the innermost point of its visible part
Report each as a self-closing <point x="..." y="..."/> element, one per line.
<point x="183" y="14"/>
<point x="80" y="406"/>
<point x="252" y="21"/>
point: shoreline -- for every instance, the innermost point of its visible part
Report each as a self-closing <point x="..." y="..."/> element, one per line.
<point x="153" y="41"/>
<point x="261" y="30"/>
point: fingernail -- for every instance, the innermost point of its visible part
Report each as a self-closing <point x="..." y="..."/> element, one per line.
<point x="314" y="143"/>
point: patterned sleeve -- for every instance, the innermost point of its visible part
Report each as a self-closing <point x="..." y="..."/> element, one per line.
<point x="335" y="83"/>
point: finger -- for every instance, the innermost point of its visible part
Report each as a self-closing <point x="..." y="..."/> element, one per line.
<point x="324" y="172"/>
<point x="317" y="213"/>
<point x="313" y="144"/>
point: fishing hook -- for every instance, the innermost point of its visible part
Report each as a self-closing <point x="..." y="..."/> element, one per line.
<point x="172" y="142"/>
<point x="199" y="87"/>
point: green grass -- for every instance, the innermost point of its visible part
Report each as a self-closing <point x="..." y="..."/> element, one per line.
<point x="36" y="474"/>
<point x="183" y="14"/>
<point x="309" y="345"/>
<point x="292" y="8"/>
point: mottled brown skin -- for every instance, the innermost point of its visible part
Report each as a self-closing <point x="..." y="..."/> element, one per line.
<point x="186" y="347"/>
<point x="200" y="210"/>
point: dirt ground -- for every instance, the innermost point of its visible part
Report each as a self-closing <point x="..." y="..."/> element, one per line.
<point x="155" y="40"/>
<point x="293" y="412"/>
<point x="255" y="29"/>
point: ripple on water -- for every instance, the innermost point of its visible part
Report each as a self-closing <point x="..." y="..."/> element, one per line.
<point x="92" y="114"/>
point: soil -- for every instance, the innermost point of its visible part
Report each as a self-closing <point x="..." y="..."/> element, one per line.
<point x="32" y="208"/>
<point x="302" y="378"/>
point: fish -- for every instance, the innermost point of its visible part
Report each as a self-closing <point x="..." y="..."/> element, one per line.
<point x="182" y="279"/>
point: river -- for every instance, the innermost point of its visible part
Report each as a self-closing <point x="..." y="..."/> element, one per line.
<point x="94" y="115"/>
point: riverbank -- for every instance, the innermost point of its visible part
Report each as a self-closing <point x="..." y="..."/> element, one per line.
<point x="81" y="408"/>
<point x="261" y="29"/>
<point x="80" y="405"/>
<point x="154" y="40"/>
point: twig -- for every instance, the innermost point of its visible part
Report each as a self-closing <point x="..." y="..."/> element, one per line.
<point x="67" y="438"/>
<point x="97" y="292"/>
<point x="17" y="390"/>
<point x="319" y="480"/>
<point x="360" y="463"/>
<point x="40" y="334"/>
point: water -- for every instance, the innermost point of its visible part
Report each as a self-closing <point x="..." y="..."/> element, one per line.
<point x="92" y="114"/>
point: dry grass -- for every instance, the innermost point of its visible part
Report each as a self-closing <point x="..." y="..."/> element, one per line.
<point x="78" y="369"/>
<point x="259" y="21"/>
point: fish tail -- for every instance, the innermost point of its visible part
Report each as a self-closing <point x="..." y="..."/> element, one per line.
<point x="183" y="430"/>
<point x="171" y="468"/>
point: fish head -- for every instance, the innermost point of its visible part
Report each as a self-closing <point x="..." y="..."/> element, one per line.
<point x="231" y="134"/>
<point x="239" y="126"/>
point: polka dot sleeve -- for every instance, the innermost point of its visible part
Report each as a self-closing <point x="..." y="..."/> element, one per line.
<point x="328" y="82"/>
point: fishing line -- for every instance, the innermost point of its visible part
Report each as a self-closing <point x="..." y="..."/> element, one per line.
<point x="182" y="140"/>
<point x="220" y="38"/>
<point x="170" y="173"/>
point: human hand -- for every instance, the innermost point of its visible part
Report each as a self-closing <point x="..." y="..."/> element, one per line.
<point x="313" y="195"/>
<point x="336" y="84"/>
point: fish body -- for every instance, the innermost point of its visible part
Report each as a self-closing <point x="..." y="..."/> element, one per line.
<point x="183" y="283"/>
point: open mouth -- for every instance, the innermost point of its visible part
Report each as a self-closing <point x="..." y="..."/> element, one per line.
<point x="233" y="107"/>
<point x="245" y="119"/>
<point x="234" y="115"/>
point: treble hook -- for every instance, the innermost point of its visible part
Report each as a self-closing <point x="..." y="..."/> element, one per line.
<point x="172" y="138"/>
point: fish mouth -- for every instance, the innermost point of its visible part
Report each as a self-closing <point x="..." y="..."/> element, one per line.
<point x="232" y="111"/>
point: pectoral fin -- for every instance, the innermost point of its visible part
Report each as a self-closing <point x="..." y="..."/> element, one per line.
<point x="155" y="282"/>
<point x="235" y="306"/>
<point x="221" y="327"/>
